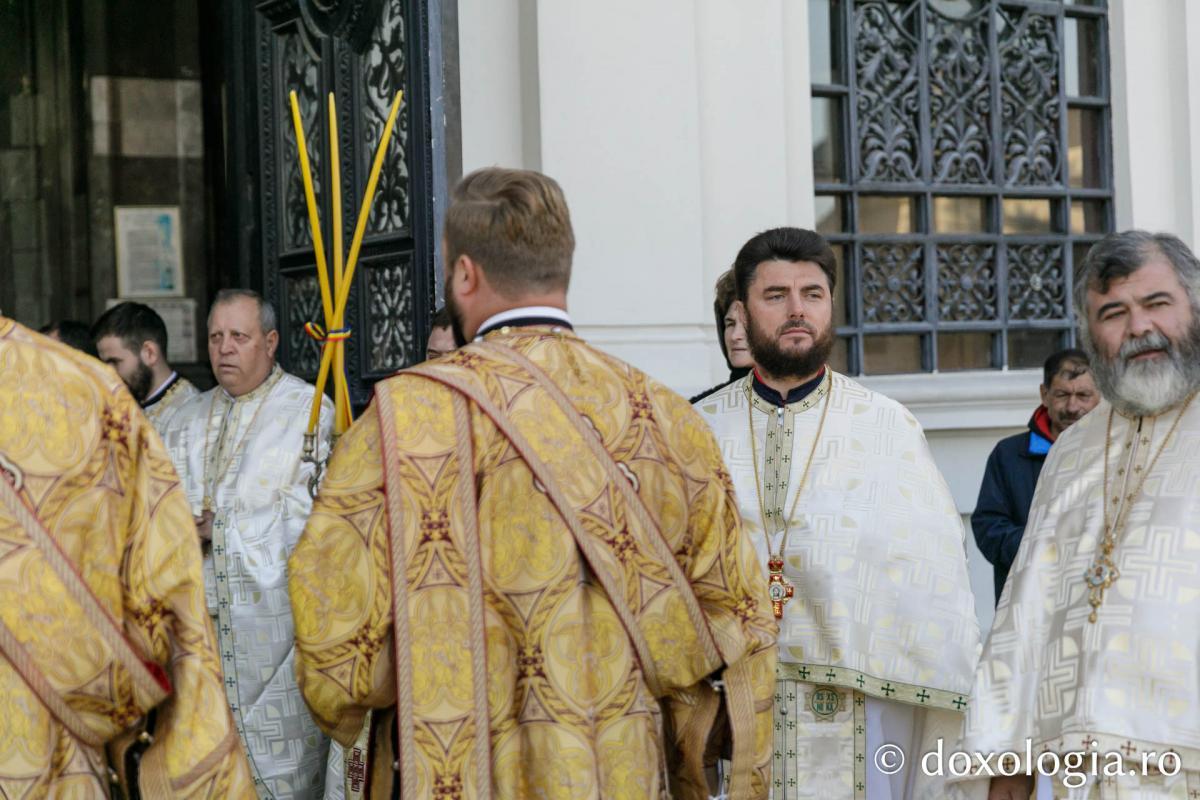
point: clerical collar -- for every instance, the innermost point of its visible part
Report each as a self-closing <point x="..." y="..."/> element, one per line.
<point x="258" y="391"/>
<point x="161" y="391"/>
<point x="523" y="316"/>
<point x="796" y="395"/>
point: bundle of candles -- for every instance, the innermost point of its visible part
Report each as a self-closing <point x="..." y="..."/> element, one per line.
<point x="335" y="294"/>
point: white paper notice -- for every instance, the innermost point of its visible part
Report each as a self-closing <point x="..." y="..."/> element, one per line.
<point x="149" y="251"/>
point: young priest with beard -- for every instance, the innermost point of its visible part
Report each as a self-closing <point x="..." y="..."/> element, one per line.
<point x="858" y="535"/>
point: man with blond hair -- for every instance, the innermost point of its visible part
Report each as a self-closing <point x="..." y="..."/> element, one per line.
<point x="528" y="553"/>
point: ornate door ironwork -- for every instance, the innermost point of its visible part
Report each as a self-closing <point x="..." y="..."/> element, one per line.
<point x="362" y="51"/>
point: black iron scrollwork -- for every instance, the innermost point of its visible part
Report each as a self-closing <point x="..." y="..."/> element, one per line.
<point x="960" y="97"/>
<point x="893" y="283"/>
<point x="1037" y="287"/>
<point x="889" y="92"/>
<point x="391" y="315"/>
<point x="966" y="282"/>
<point x="1029" y="102"/>
<point x="349" y="20"/>
<point x="303" y="303"/>
<point x="298" y="71"/>
<point x="384" y="71"/>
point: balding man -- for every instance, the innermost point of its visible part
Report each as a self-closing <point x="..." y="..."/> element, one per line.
<point x="238" y="450"/>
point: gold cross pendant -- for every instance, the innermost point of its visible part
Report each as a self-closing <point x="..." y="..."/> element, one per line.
<point x="1100" y="576"/>
<point x="778" y="588"/>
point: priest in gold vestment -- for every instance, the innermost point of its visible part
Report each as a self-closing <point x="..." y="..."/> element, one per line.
<point x="1095" y="649"/>
<point x="102" y="615"/>
<point x="528" y="552"/>
<point x="860" y="539"/>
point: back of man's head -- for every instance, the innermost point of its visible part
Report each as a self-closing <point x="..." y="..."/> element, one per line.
<point x="516" y="226"/>
<point x="133" y="324"/>
<point x="71" y="332"/>
<point x="1070" y="363"/>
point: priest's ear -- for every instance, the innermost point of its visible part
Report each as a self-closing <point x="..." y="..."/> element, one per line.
<point x="150" y="355"/>
<point x="465" y="275"/>
<point x="272" y="339"/>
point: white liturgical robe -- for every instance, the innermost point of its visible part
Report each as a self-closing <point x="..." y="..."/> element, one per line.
<point x="1129" y="682"/>
<point x="241" y="457"/>
<point x="166" y="401"/>
<point x="879" y="642"/>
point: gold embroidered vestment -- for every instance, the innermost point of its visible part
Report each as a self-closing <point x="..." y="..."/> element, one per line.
<point x="85" y="461"/>
<point x="518" y="675"/>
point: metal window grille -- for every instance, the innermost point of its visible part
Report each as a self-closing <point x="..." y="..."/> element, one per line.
<point x="962" y="165"/>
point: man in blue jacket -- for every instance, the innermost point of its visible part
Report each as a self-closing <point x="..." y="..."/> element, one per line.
<point x="1068" y="392"/>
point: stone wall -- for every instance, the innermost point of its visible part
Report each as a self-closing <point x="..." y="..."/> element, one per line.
<point x="100" y="106"/>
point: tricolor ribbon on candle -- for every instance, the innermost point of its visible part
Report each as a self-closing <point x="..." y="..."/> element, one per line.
<point x="317" y="333"/>
<point x="335" y="294"/>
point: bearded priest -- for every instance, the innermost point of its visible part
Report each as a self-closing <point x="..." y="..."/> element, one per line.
<point x="859" y="537"/>
<point x="1093" y="656"/>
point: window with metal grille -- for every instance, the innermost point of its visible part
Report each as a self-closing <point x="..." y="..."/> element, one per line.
<point x="962" y="167"/>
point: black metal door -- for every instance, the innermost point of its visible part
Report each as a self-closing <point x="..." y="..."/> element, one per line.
<point x="362" y="51"/>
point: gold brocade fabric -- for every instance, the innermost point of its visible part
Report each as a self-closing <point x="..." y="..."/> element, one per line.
<point x="569" y="710"/>
<point x="85" y="461"/>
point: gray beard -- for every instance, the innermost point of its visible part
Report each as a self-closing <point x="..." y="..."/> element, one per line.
<point x="1147" y="389"/>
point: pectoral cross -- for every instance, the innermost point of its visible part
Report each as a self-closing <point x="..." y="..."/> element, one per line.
<point x="778" y="588"/>
<point x="1100" y="576"/>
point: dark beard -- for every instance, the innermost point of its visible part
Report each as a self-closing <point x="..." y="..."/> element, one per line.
<point x="141" y="383"/>
<point x="456" y="323"/>
<point x="773" y="360"/>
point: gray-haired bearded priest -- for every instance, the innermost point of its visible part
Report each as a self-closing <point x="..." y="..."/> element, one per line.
<point x="858" y="535"/>
<point x="1094" y="647"/>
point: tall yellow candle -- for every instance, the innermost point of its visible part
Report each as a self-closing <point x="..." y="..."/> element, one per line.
<point x="340" y="391"/>
<point x="364" y="211"/>
<point x="310" y="199"/>
<point x="314" y="224"/>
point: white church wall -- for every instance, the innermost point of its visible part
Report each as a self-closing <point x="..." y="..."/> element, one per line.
<point x="680" y="128"/>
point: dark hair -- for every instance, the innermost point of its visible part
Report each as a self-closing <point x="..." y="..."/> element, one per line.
<point x="266" y="312"/>
<point x="724" y="293"/>
<point x="133" y="323"/>
<point x="516" y="225"/>
<point x="783" y="244"/>
<point x="1072" y="361"/>
<point x="441" y="319"/>
<point x="1119" y="255"/>
<point x="73" y="333"/>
